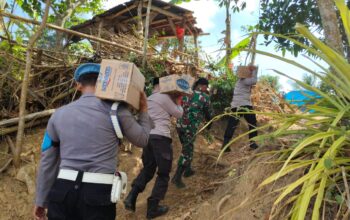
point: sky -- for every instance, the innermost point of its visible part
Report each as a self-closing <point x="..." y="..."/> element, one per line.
<point x="211" y="18"/>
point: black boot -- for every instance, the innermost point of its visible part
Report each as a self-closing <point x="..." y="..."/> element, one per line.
<point x="228" y="149"/>
<point x="155" y="210"/>
<point x="177" y="179"/>
<point x="189" y="172"/>
<point x="253" y="145"/>
<point x="130" y="201"/>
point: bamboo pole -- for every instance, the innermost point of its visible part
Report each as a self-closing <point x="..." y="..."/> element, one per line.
<point x="68" y="31"/>
<point x="12" y="129"/>
<point x="146" y="33"/>
<point x="25" y="85"/>
<point x="8" y="122"/>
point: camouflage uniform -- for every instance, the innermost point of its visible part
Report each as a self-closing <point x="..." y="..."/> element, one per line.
<point x="196" y="109"/>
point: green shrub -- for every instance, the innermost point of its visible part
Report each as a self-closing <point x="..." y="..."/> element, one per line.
<point x="221" y="93"/>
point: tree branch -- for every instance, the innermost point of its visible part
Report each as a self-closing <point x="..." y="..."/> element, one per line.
<point x="25" y="84"/>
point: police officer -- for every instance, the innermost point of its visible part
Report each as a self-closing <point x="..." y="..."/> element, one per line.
<point x="79" y="154"/>
<point x="196" y="109"/>
<point x="241" y="103"/>
<point x="158" y="154"/>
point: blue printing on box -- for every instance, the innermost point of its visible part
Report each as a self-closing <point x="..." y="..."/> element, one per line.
<point x="105" y="81"/>
<point x="183" y="84"/>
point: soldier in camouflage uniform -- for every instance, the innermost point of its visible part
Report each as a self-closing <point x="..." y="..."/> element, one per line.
<point x="196" y="109"/>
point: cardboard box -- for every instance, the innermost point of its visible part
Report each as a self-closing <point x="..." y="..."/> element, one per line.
<point x="246" y="71"/>
<point x="176" y="84"/>
<point x="120" y="81"/>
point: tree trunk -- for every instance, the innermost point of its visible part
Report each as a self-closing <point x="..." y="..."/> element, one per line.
<point x="25" y="84"/>
<point x="228" y="34"/>
<point x="61" y="20"/>
<point x="253" y="47"/>
<point x="330" y="25"/>
<point x="59" y="35"/>
<point x="146" y="33"/>
<point x="181" y="49"/>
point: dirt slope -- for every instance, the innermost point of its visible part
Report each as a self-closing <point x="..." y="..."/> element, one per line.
<point x="198" y="201"/>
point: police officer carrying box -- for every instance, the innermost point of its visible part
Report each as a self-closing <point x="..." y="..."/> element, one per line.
<point x="241" y="103"/>
<point x="79" y="152"/>
<point x="158" y="154"/>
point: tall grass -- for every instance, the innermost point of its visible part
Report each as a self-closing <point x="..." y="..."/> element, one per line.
<point x="324" y="135"/>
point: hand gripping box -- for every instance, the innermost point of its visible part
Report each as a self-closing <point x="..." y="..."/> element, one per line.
<point x="120" y="81"/>
<point x="176" y="84"/>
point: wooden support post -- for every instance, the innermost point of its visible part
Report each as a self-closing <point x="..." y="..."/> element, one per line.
<point x="181" y="48"/>
<point x="189" y="29"/>
<point x="172" y="25"/>
<point x="196" y="53"/>
<point x="25" y="85"/>
<point x="139" y="17"/>
<point x="100" y="25"/>
<point x="152" y="16"/>
<point x="181" y="42"/>
<point x="145" y="42"/>
<point x="254" y="39"/>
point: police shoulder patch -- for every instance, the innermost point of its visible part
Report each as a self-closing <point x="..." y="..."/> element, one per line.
<point x="47" y="142"/>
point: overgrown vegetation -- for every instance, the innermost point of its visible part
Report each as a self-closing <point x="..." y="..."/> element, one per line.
<point x="320" y="153"/>
<point x="221" y="93"/>
<point x="272" y="81"/>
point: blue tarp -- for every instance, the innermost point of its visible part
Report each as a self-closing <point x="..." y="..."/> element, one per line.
<point x="301" y="97"/>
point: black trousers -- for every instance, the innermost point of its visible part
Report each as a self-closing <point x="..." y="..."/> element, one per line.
<point x="69" y="200"/>
<point x="233" y="122"/>
<point x="157" y="155"/>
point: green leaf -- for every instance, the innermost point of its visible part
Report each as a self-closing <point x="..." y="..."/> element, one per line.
<point x="236" y="50"/>
<point x="339" y="199"/>
<point x="328" y="163"/>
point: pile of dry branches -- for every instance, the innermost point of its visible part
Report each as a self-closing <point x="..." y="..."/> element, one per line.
<point x="109" y="52"/>
<point x="170" y="65"/>
<point x="51" y="82"/>
<point x="266" y="99"/>
<point x="51" y="77"/>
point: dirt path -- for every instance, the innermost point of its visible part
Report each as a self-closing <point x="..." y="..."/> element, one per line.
<point x="17" y="203"/>
<point x="199" y="187"/>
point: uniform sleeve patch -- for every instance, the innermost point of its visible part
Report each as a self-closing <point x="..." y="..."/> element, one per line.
<point x="47" y="142"/>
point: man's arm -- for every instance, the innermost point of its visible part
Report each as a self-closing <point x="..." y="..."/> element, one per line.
<point x="251" y="81"/>
<point x="208" y="111"/>
<point x="137" y="132"/>
<point x="49" y="164"/>
<point x="172" y="108"/>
